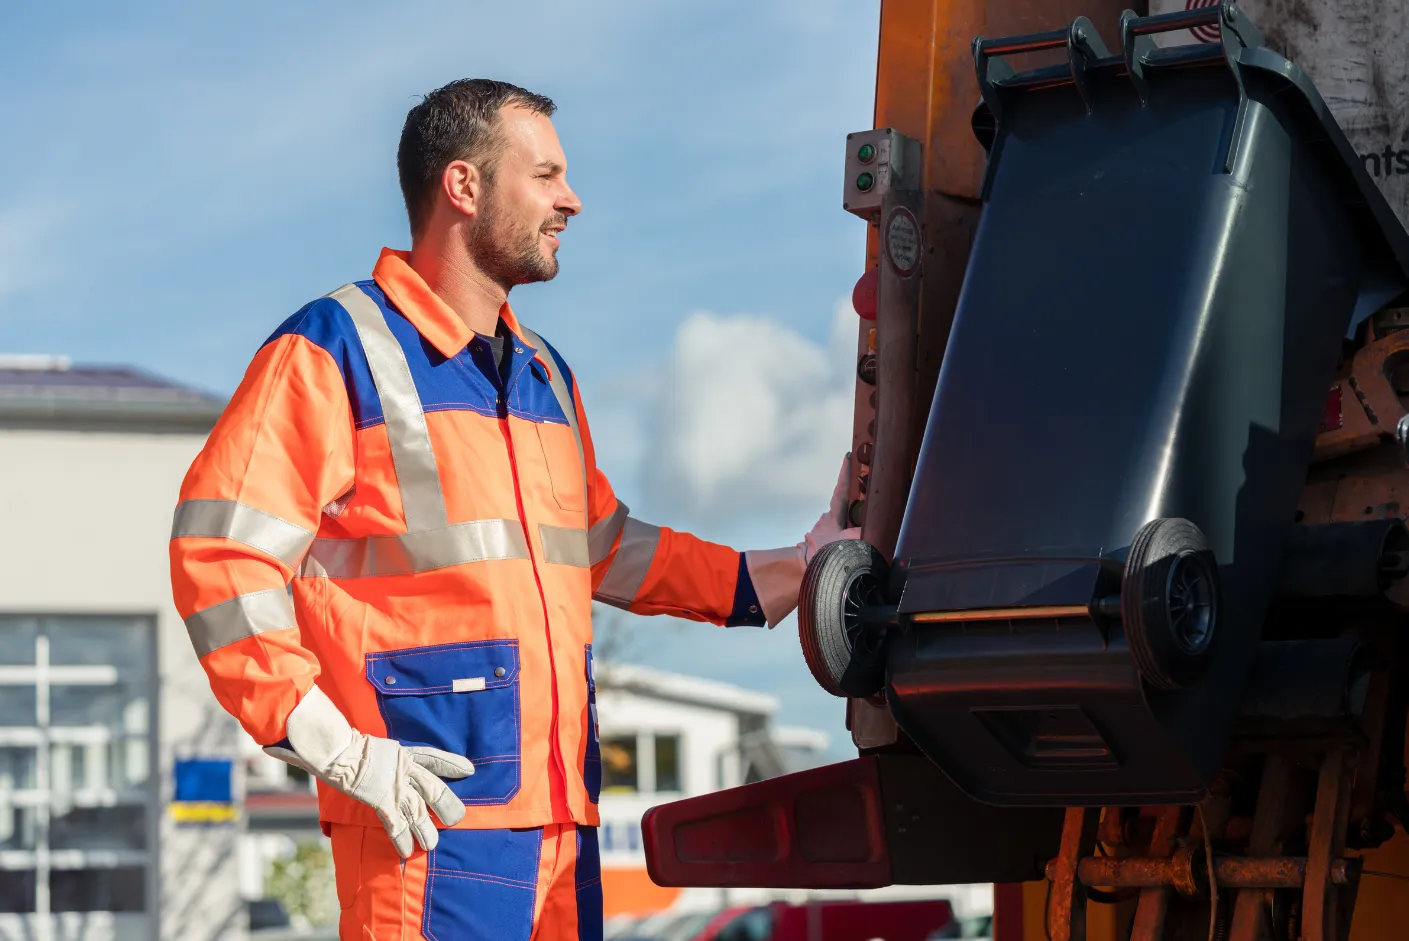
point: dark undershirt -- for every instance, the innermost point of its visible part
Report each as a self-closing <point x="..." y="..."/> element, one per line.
<point x="497" y="348"/>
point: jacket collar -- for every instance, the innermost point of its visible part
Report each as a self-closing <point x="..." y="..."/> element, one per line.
<point x="431" y="316"/>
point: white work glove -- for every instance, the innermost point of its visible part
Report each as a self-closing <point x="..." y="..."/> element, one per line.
<point x="777" y="573"/>
<point x="401" y="783"/>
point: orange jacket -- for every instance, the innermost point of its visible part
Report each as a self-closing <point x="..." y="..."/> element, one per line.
<point x="375" y="514"/>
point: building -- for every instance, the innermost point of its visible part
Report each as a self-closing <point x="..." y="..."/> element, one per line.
<point x="102" y="702"/>
<point x="665" y="736"/>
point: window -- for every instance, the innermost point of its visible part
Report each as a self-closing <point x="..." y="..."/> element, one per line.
<point x="667" y="762"/>
<point x="641" y="763"/>
<point x="76" y="787"/>
<point x="619" y="768"/>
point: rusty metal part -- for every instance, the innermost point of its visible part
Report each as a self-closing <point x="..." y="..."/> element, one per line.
<point x="871" y="724"/>
<point x="1252" y="907"/>
<point x="1144" y="872"/>
<point x="1370" y="405"/>
<point x="1150" y="914"/>
<point x="1002" y="614"/>
<point x="1062" y="873"/>
<point x="1185" y="872"/>
<point x="896" y="440"/>
<point x="1153" y="907"/>
<point x="1111" y="830"/>
<point x="1325" y="912"/>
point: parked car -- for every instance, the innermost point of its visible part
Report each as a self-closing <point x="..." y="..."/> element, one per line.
<point x="917" y="920"/>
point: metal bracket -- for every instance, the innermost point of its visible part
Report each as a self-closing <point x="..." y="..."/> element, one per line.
<point x="1235" y="33"/>
<point x="1084" y="48"/>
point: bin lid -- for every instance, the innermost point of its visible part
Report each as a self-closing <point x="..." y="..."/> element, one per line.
<point x="1240" y="49"/>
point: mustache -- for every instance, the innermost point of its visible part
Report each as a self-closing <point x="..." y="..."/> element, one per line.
<point x="556" y="221"/>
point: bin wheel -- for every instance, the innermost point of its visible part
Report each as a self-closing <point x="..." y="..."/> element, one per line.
<point x="1170" y="603"/>
<point x="846" y="657"/>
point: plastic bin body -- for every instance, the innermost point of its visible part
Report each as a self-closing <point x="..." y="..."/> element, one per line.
<point x="1148" y="326"/>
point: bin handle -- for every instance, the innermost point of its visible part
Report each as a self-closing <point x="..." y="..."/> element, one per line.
<point x="1083" y="44"/>
<point x="1235" y="34"/>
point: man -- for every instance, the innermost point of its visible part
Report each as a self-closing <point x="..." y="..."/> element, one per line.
<point x="386" y="554"/>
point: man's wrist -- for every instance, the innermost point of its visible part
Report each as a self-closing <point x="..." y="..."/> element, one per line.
<point x="317" y="732"/>
<point x="777" y="577"/>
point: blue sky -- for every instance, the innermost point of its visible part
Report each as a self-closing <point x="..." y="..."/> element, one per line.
<point x="178" y="178"/>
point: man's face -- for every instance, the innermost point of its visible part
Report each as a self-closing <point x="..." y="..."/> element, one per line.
<point x="525" y="204"/>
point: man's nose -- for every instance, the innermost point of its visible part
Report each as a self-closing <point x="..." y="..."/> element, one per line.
<point x="568" y="203"/>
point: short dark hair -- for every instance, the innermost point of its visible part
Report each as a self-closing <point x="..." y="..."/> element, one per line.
<point x="455" y="122"/>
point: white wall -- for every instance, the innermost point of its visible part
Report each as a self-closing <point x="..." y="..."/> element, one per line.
<point x="708" y="743"/>
<point x="85" y="520"/>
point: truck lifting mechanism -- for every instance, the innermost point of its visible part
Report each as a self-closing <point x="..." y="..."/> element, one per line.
<point x="1122" y="632"/>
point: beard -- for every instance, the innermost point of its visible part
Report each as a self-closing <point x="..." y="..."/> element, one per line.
<point x="507" y="250"/>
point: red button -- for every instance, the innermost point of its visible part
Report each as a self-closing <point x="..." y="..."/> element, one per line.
<point x="863" y="296"/>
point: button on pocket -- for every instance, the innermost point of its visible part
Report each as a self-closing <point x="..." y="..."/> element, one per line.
<point x="461" y="698"/>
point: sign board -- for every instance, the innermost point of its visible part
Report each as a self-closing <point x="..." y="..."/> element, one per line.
<point x="204" y="792"/>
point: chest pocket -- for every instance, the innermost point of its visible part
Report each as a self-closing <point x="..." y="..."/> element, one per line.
<point x="564" y="463"/>
<point x="461" y="698"/>
<point x="562" y="444"/>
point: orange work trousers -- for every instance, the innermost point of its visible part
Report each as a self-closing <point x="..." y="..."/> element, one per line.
<point x="541" y="884"/>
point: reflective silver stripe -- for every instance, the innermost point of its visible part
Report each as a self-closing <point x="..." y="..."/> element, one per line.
<point x="227" y="519"/>
<point x="407" y="435"/>
<point x="408" y="553"/>
<point x="602" y="537"/>
<point x="564" y="546"/>
<point x="559" y="385"/>
<point x="633" y="560"/>
<point x="240" y="617"/>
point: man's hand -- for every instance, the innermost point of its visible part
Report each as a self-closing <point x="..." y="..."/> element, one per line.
<point x="831" y="525"/>
<point x="777" y="573"/>
<point x="402" y="784"/>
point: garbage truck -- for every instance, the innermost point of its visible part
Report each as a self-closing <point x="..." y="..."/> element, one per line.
<point x="1122" y="632"/>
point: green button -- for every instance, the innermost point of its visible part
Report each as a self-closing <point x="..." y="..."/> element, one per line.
<point x="865" y="181"/>
<point x="867" y="153"/>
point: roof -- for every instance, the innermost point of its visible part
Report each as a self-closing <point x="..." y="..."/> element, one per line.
<point x="50" y="392"/>
<point x="677" y="687"/>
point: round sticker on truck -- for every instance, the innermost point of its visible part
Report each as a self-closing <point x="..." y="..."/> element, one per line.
<point x="902" y="241"/>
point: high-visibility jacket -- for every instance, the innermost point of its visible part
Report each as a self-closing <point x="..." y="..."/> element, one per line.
<point x="379" y="513"/>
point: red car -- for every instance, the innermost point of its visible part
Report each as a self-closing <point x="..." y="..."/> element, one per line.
<point x="832" y="921"/>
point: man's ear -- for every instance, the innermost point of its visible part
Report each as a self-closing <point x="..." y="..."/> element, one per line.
<point x="462" y="185"/>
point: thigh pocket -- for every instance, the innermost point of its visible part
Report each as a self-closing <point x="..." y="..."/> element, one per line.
<point x="481" y="885"/>
<point x="592" y="762"/>
<point x="461" y="698"/>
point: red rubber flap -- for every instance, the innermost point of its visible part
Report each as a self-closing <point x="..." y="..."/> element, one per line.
<point x="821" y="828"/>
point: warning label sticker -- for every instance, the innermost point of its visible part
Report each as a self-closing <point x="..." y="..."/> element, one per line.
<point x="902" y="241"/>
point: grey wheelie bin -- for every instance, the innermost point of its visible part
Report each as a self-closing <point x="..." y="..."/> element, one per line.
<point x="1174" y="244"/>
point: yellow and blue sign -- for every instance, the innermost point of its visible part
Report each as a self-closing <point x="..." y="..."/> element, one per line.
<point x="204" y="792"/>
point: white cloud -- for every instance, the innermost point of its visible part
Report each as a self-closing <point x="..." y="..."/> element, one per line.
<point x="750" y="418"/>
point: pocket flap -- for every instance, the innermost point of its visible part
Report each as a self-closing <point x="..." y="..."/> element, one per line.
<point x="446" y="668"/>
